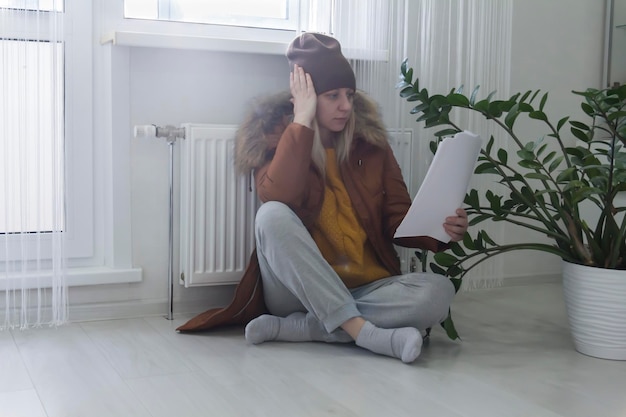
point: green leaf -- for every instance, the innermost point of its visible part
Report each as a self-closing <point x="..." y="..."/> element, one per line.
<point x="471" y="198"/>
<point x="482" y="106"/>
<point x="456" y="282"/>
<point x="468" y="242"/>
<point x="538" y="115"/>
<point x="406" y="92"/>
<point x="537" y="176"/>
<point x="561" y="123"/>
<point x="616" y="115"/>
<point x="448" y="326"/>
<point x="478" y="242"/>
<point x="579" y="125"/>
<point x="445" y="259"/>
<point x="579" y="134"/>
<point x="503" y="156"/>
<point x="543" y="101"/>
<point x="525" y="108"/>
<point x="458" y="100"/>
<point x="457" y="249"/>
<point x="472" y="98"/>
<point x="419" y="108"/>
<point x="490" y="144"/>
<point x="566" y="175"/>
<point x="587" y="109"/>
<point x="526" y="154"/>
<point x="486" y="168"/>
<point x="495" y="109"/>
<point x="487" y="238"/>
<point x="555" y="164"/>
<point x="446" y="132"/>
<point x="534" y="96"/>
<point x="478" y="219"/>
<point x="530" y="164"/>
<point x="509" y="120"/>
<point x="548" y="157"/>
<point x="437" y="269"/>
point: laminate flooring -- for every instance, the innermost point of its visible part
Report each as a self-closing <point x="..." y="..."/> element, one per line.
<point x="516" y="358"/>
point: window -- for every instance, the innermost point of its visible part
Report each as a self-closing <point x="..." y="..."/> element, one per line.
<point x="45" y="125"/>
<point x="33" y="156"/>
<point x="275" y="14"/>
<point x="41" y="5"/>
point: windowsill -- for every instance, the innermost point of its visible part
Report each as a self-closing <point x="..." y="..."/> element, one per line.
<point x="76" y="277"/>
<point x="206" y="43"/>
<point x="102" y="275"/>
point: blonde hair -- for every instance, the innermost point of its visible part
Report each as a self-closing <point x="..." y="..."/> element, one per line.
<point x="342" y="147"/>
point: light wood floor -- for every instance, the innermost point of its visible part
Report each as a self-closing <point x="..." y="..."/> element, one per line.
<point x="516" y="359"/>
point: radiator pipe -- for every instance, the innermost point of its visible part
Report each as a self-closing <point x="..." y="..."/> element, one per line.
<point x="171" y="133"/>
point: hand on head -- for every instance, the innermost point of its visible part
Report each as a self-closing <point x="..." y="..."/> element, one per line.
<point x="303" y="95"/>
<point x="456" y="226"/>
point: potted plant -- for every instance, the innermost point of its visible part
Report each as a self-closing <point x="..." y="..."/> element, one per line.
<point x="542" y="188"/>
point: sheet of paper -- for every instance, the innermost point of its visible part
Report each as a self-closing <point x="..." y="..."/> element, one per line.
<point x="443" y="188"/>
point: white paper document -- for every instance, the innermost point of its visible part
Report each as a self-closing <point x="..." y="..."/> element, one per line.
<point x="443" y="188"/>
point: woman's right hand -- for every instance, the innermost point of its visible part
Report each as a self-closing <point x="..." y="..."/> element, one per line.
<point x="303" y="97"/>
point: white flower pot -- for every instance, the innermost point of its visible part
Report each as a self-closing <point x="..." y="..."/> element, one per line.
<point x="595" y="299"/>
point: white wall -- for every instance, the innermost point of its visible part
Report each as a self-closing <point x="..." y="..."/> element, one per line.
<point x="618" y="55"/>
<point x="557" y="47"/>
<point x="174" y="87"/>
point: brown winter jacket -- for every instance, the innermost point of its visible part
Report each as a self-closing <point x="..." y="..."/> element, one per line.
<point x="278" y="152"/>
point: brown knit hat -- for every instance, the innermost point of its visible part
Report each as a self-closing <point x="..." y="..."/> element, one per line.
<point x="321" y="56"/>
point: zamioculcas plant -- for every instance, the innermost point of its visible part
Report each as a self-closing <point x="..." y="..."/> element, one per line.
<point x="542" y="186"/>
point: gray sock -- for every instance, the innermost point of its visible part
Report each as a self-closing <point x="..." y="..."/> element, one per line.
<point x="296" y="327"/>
<point x="265" y="328"/>
<point x="404" y="343"/>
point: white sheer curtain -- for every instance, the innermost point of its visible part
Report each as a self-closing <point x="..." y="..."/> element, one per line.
<point x="33" y="290"/>
<point x="373" y="36"/>
<point x="449" y="43"/>
<point x="467" y="43"/>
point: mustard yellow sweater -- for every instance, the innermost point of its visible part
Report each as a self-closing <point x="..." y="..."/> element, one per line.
<point x="339" y="235"/>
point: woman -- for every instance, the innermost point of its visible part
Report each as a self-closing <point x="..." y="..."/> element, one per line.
<point x="333" y="197"/>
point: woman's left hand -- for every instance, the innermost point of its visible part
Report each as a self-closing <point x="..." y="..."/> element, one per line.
<point x="456" y="226"/>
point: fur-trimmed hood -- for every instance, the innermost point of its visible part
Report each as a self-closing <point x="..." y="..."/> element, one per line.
<point x="259" y="133"/>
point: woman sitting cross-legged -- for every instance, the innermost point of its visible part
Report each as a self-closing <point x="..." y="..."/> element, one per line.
<point x="333" y="196"/>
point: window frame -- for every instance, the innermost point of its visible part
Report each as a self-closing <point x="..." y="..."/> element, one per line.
<point x="97" y="236"/>
<point x="182" y="35"/>
<point x="291" y="23"/>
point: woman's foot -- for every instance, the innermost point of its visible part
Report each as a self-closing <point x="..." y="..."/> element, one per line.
<point x="265" y="328"/>
<point x="404" y="343"/>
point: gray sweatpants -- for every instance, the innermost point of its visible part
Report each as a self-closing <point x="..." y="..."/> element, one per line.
<point x="296" y="278"/>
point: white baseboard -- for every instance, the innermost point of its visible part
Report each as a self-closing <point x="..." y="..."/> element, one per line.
<point x="144" y="308"/>
<point x="510" y="281"/>
<point x="160" y="307"/>
<point x="532" y="280"/>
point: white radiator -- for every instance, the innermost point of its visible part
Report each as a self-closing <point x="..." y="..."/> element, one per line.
<point x="401" y="143"/>
<point x="217" y="208"/>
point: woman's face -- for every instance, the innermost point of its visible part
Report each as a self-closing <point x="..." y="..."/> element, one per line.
<point x="334" y="108"/>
